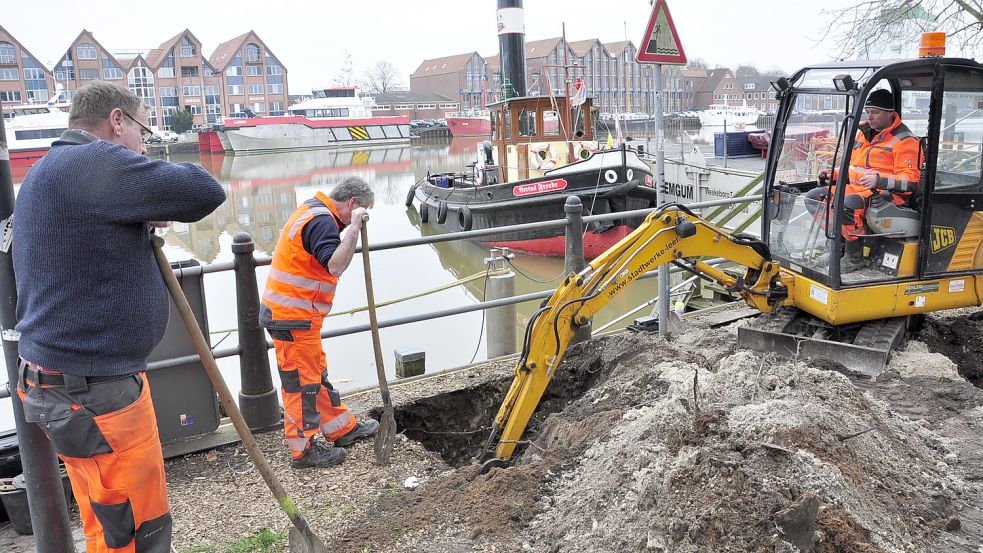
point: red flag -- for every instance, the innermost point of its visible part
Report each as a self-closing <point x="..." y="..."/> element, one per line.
<point x="579" y="92"/>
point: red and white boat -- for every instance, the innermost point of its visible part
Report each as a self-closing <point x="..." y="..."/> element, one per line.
<point x="335" y="117"/>
<point x="469" y="123"/>
<point x="30" y="133"/>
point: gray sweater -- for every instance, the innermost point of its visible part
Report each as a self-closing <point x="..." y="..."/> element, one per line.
<point x="90" y="298"/>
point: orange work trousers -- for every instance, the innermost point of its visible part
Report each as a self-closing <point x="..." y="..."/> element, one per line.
<point x="105" y="431"/>
<point x="308" y="407"/>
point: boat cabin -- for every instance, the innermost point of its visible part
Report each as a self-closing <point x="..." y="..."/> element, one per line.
<point x="534" y="134"/>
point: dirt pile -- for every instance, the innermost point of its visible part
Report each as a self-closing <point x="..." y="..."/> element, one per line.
<point x="691" y="445"/>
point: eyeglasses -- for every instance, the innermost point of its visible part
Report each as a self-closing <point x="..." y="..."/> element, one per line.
<point x="146" y="132"/>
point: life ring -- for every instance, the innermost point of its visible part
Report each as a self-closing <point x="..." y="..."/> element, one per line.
<point x="441" y="212"/>
<point x="583" y="149"/>
<point x="542" y="157"/>
<point x="610" y="176"/>
<point x="464" y="218"/>
<point x="410" y="195"/>
<point x="424" y="212"/>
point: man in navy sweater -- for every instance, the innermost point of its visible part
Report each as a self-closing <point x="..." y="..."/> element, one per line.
<point x="91" y="306"/>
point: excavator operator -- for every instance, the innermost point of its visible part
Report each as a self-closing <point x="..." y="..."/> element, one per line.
<point x="885" y="157"/>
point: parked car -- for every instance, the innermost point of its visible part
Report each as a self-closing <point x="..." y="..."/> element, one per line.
<point x="420" y="123"/>
<point x="168" y="136"/>
<point x="154" y="139"/>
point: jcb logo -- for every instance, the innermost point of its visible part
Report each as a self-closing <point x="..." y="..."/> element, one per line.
<point x="942" y="238"/>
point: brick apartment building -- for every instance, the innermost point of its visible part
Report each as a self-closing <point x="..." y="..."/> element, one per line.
<point x="615" y="81"/>
<point x="415" y="105"/>
<point x="241" y="73"/>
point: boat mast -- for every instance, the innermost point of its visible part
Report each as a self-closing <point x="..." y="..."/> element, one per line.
<point x="568" y="112"/>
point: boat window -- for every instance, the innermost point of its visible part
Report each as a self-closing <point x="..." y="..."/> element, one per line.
<point x="551" y="123"/>
<point x="527" y="122"/>
<point x="35" y="134"/>
<point x="508" y="124"/>
<point x="494" y="125"/>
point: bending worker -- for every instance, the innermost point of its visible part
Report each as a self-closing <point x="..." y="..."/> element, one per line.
<point x="885" y="157"/>
<point x="309" y="258"/>
<point x="91" y="306"/>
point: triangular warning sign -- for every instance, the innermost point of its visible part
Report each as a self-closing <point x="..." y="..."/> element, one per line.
<point x="661" y="44"/>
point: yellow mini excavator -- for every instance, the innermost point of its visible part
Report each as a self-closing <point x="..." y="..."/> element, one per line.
<point x="922" y="254"/>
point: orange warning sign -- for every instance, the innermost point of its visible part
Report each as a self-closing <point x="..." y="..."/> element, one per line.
<point x="661" y="44"/>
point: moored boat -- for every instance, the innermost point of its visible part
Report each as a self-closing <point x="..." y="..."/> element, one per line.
<point x="29" y="137"/>
<point x="719" y="115"/>
<point x="335" y="117"/>
<point x="469" y="123"/>
<point x="526" y="173"/>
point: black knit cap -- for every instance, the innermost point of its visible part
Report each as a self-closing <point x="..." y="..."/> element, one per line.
<point x="880" y="99"/>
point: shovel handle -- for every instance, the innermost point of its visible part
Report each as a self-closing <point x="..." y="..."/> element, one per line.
<point x="224" y="395"/>
<point x="380" y="367"/>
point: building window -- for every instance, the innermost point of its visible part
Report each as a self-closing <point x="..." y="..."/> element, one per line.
<point x="188" y="49"/>
<point x="86" y="51"/>
<point x="404" y="106"/>
<point x="426" y="106"/>
<point x="140" y="81"/>
<point x="276" y="108"/>
<point x="208" y="71"/>
<point x="256" y="89"/>
<point x="189" y="71"/>
<point x="12" y="74"/>
<point x="211" y="90"/>
<point x="252" y="53"/>
<point x="275" y="88"/>
<point x="7" y="53"/>
<point x="168" y="92"/>
<point x="194" y="109"/>
<point x="274" y="70"/>
<point x="88" y="74"/>
<point x="35" y="73"/>
<point x="235" y="89"/>
<point x="259" y="107"/>
<point x="233" y="71"/>
<point x="110" y="71"/>
<point x="9" y="96"/>
<point x="192" y="90"/>
<point x="165" y="72"/>
<point x="254" y="70"/>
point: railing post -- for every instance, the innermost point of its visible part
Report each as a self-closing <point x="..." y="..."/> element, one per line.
<point x="258" y="400"/>
<point x="501" y="330"/>
<point x="45" y="494"/>
<point x="573" y="255"/>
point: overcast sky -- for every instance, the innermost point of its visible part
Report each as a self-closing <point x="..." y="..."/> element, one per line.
<point x="312" y="38"/>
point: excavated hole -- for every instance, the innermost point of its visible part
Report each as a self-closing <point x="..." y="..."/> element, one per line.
<point x="456" y="424"/>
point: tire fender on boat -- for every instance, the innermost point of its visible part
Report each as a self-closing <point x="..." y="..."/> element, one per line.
<point x="424" y="212"/>
<point x="410" y="195"/>
<point x="441" y="212"/>
<point x="464" y="218"/>
<point x="542" y="157"/>
<point x="610" y="176"/>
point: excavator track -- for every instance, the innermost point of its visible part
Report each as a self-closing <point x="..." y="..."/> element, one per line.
<point x="864" y="348"/>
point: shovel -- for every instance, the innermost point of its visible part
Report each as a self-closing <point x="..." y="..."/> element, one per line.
<point x="302" y="539"/>
<point x="386" y="435"/>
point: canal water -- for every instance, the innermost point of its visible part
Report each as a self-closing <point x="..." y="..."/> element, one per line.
<point x="263" y="190"/>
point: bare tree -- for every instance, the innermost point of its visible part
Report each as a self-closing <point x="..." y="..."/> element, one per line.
<point x="868" y="26"/>
<point x="344" y="75"/>
<point x="747" y="72"/>
<point x="381" y="78"/>
<point x="698" y="63"/>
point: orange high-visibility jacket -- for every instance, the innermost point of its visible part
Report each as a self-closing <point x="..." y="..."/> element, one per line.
<point x="892" y="153"/>
<point x="299" y="289"/>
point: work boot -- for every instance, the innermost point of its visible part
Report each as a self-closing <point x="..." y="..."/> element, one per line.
<point x="363" y="429"/>
<point x="319" y="454"/>
<point x="853" y="257"/>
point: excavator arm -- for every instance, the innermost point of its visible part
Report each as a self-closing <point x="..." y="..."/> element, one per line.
<point x="673" y="234"/>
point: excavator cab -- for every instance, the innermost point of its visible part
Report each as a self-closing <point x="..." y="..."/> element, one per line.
<point x="913" y="236"/>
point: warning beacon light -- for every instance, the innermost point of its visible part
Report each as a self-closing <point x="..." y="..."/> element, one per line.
<point x="932" y="45"/>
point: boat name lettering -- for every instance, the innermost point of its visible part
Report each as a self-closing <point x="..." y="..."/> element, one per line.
<point x="539" y="187"/>
<point x="684" y="191"/>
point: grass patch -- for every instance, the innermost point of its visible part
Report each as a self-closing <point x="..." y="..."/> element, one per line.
<point x="264" y="541"/>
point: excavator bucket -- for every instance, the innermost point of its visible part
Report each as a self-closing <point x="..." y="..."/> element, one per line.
<point x="864" y="348"/>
